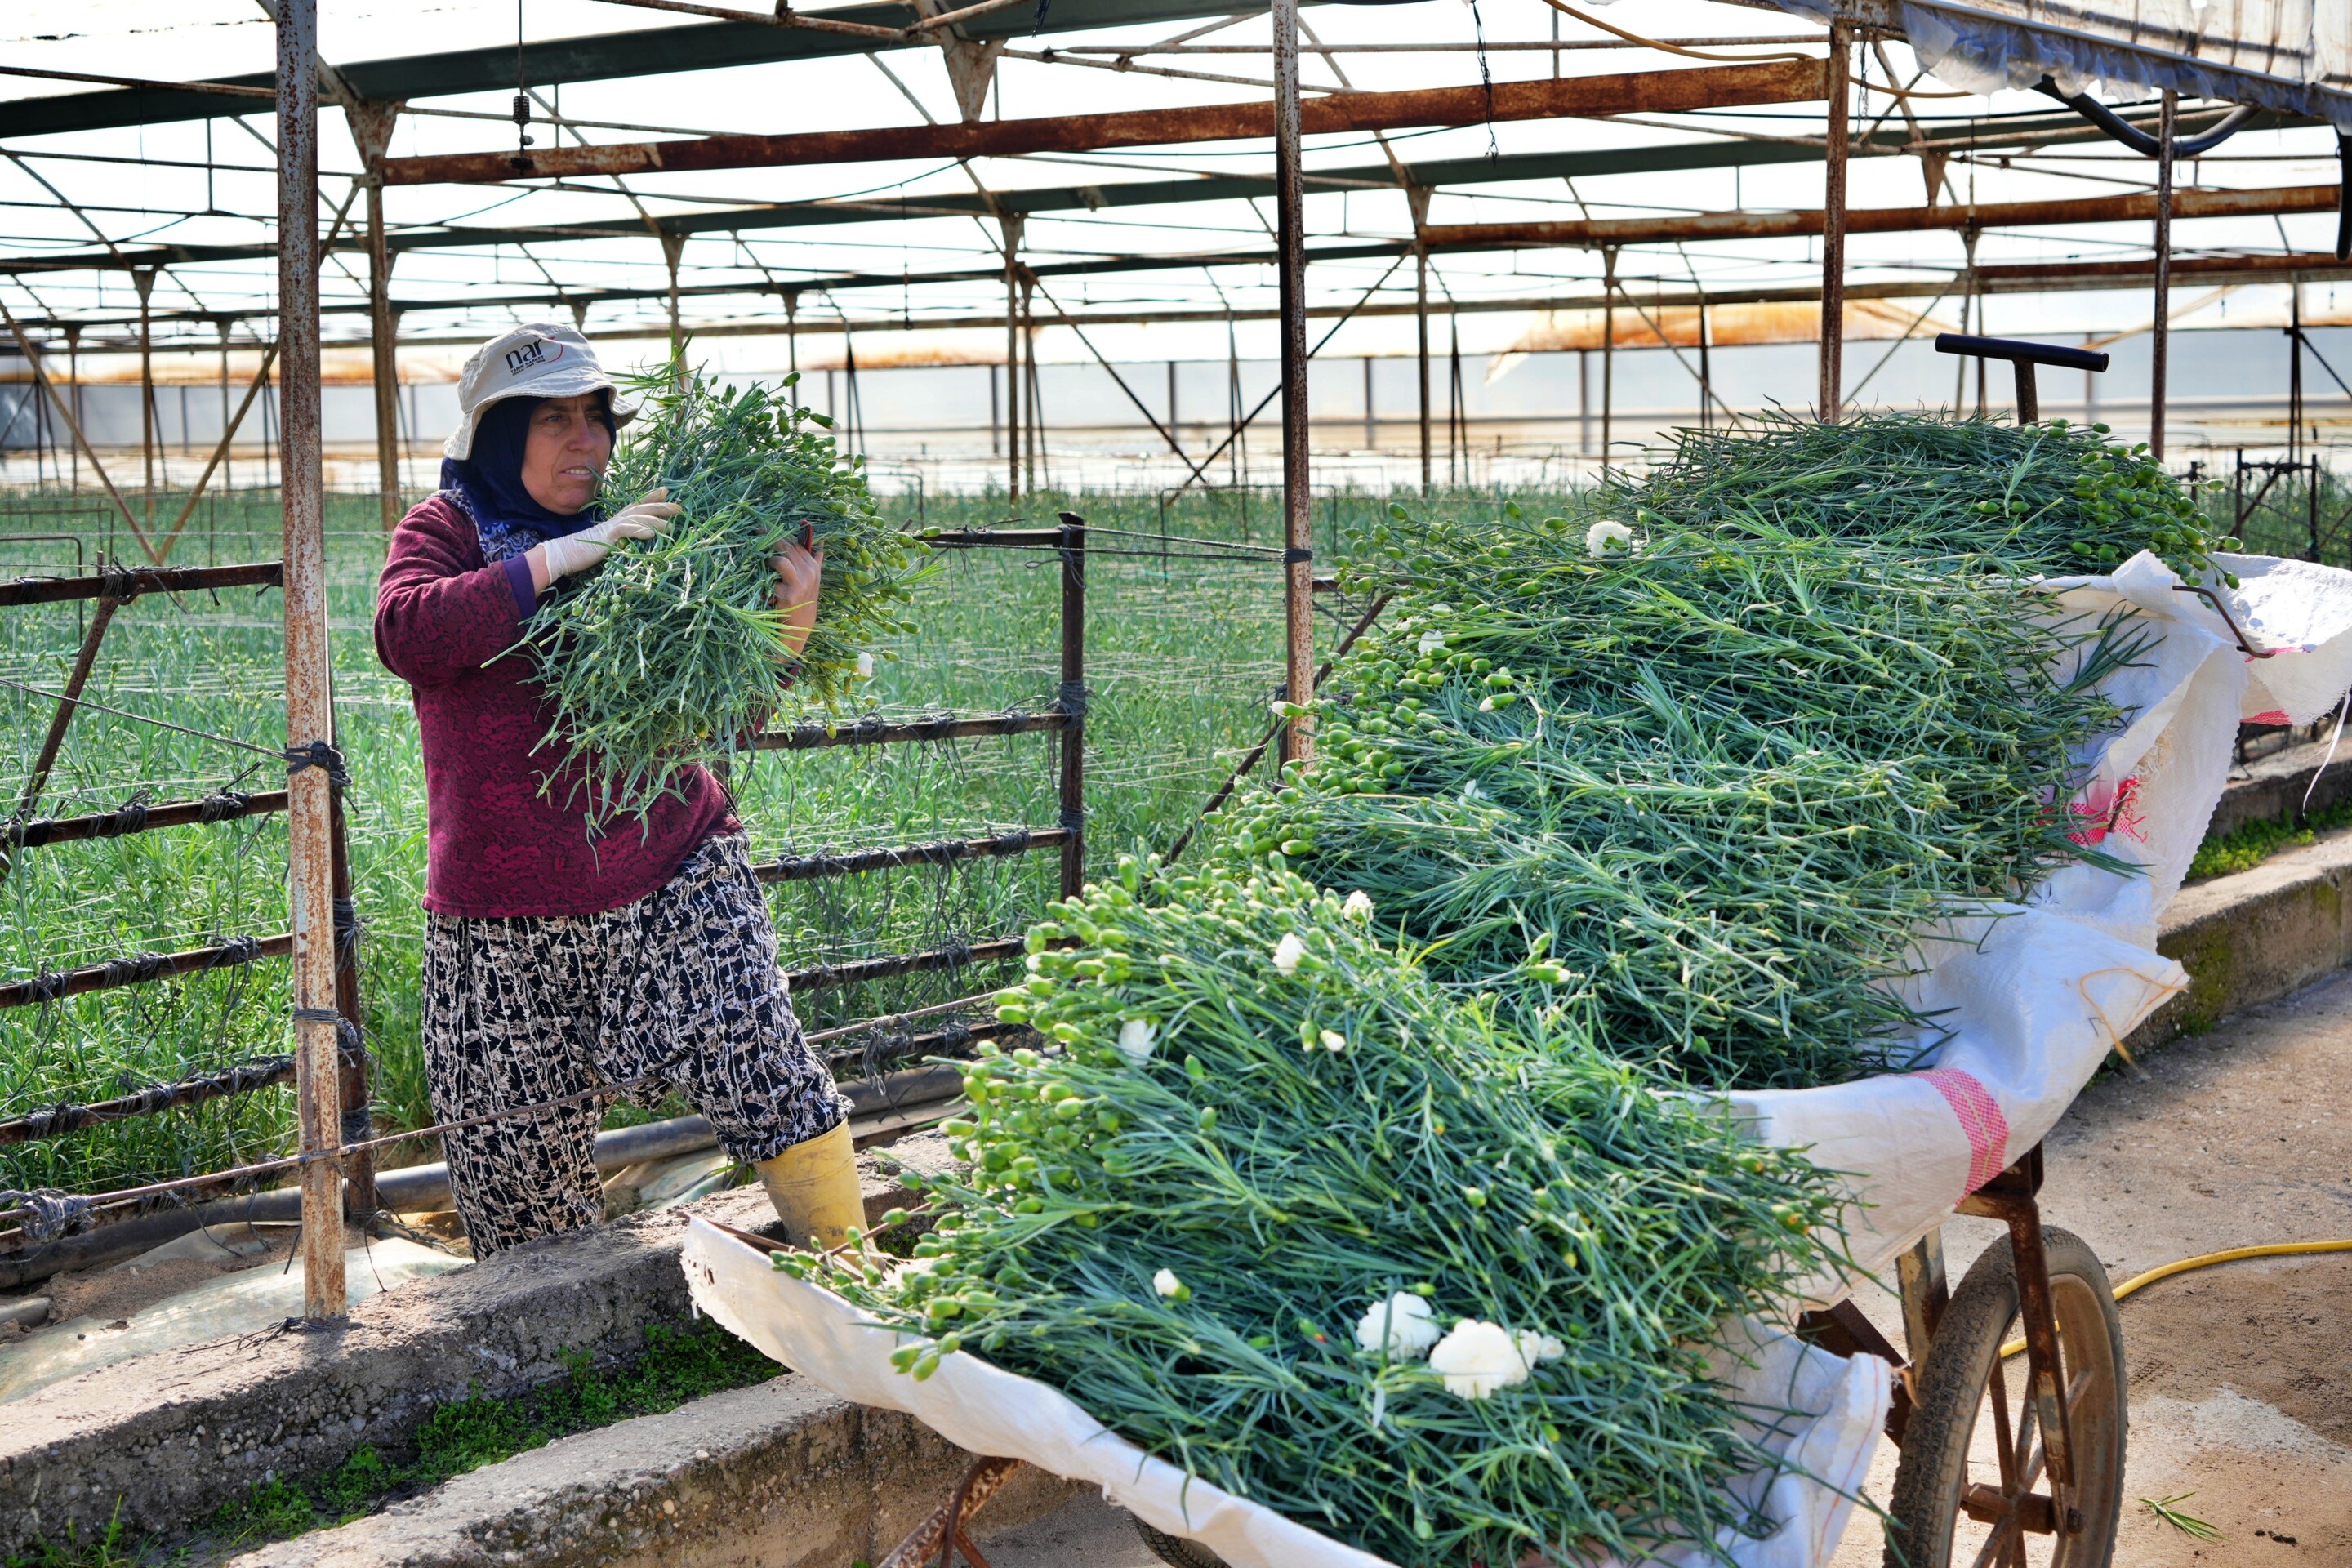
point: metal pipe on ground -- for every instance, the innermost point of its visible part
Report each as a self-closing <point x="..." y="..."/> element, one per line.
<point x="877" y="1106"/>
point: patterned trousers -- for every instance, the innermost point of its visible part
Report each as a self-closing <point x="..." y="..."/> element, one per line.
<point x="683" y="984"/>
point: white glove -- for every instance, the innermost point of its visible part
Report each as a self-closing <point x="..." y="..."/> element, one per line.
<point x="578" y="551"/>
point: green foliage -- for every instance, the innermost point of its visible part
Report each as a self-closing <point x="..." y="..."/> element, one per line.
<point x="1257" y="1094"/>
<point x="2168" y="1511"/>
<point x="2017" y="499"/>
<point x="1180" y="655"/>
<point x="671" y="651"/>
<point x="2249" y="844"/>
<point x="1715" y="782"/>
<point x="677" y="1365"/>
<point x="113" y="1549"/>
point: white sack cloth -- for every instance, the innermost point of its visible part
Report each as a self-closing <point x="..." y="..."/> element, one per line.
<point x="984" y="1409"/>
<point x="2029" y="1001"/>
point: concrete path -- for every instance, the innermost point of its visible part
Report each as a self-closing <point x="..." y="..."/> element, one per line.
<point x="2241" y="1376"/>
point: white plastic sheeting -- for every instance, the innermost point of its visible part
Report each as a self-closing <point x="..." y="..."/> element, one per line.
<point x="2292" y="56"/>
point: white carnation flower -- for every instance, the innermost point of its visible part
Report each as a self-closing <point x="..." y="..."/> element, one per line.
<point x="1333" y="1041"/>
<point x="1358" y="905"/>
<point x="1478" y="1358"/>
<point x="865" y="666"/>
<point x="1606" y="538"/>
<point x="1430" y="641"/>
<point x="1168" y="1285"/>
<point x="1402" y="1326"/>
<point x="1135" y="1040"/>
<point x="1288" y="951"/>
<point x="1536" y="1346"/>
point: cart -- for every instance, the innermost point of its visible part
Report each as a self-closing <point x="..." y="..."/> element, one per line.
<point x="2010" y="1449"/>
<point x="2000" y="1466"/>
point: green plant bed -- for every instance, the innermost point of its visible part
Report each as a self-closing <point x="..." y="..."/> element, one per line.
<point x="2249" y="844"/>
<point x="1184" y="648"/>
<point x="677" y="1364"/>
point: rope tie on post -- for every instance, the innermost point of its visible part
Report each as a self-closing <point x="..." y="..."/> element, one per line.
<point x="1296" y="557"/>
<point x="128" y="818"/>
<point x="136" y="970"/>
<point x="46" y="1214"/>
<point x="220" y="808"/>
<point x="1074" y="820"/>
<point x="49" y="985"/>
<point x="349" y="929"/>
<point x="117" y="581"/>
<point x="237" y="950"/>
<point x="1072" y="699"/>
<point x="31" y="835"/>
<point x="319" y="755"/>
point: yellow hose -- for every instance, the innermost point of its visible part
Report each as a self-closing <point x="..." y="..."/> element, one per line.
<point x="2205" y="1260"/>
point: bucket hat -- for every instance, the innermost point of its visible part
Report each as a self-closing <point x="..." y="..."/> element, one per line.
<point x="541" y="360"/>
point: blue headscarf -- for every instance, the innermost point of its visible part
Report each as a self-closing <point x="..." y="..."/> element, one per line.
<point x="488" y="483"/>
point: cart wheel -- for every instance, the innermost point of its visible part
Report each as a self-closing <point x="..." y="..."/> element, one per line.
<point x="1973" y="1450"/>
<point x="1176" y="1549"/>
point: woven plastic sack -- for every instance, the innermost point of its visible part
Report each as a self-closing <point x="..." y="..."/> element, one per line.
<point x="1837" y="1405"/>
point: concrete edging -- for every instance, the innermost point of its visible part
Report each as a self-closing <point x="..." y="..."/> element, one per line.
<point x="781" y="1475"/>
<point x="169" y="1439"/>
<point x="2254" y="937"/>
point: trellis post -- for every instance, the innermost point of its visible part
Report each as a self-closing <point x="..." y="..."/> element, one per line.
<point x="2161" y="335"/>
<point x="1833" y="394"/>
<point x="1073" y="702"/>
<point x="309" y="719"/>
<point x="1297" y="557"/>
<point x="372" y="124"/>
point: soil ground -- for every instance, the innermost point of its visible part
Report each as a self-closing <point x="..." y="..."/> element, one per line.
<point x="2241" y="1390"/>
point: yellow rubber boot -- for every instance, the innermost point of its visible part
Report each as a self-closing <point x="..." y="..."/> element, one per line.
<point x="814" y="1188"/>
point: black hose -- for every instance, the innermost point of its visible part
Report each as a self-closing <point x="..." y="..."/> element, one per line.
<point x="2140" y="141"/>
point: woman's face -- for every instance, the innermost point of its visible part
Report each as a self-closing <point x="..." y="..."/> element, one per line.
<point x="564" y="455"/>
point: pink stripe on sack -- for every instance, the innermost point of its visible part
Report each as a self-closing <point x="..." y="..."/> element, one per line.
<point x="1980" y="1119"/>
<point x="2275" y="716"/>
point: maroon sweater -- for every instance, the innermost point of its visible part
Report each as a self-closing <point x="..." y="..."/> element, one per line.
<point x="497" y="845"/>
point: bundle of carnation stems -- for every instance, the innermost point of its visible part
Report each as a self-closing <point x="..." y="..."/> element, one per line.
<point x="673" y="652"/>
<point x="1369" y="1169"/>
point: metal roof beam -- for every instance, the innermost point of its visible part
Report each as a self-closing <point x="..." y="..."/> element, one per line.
<point x="602" y="56"/>
<point x="1625" y="92"/>
<point x="2139" y="207"/>
<point x="2031" y="278"/>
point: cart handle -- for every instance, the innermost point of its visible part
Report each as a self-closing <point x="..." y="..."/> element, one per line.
<point x="2023" y="356"/>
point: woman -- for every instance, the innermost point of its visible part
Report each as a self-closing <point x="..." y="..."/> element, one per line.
<point x="554" y="962"/>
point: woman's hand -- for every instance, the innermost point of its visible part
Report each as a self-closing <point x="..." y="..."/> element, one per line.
<point x="578" y="551"/>
<point x="800" y="571"/>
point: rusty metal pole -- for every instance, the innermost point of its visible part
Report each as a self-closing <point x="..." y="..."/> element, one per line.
<point x="1290" y="232"/>
<point x="371" y="125"/>
<point x="1417" y="200"/>
<point x="355" y="1086"/>
<point x="673" y="247"/>
<point x="1072" y="740"/>
<point x="2159" y="348"/>
<point x="1833" y="395"/>
<point x="309" y="708"/>
<point x="1421" y="325"/>
<point x="1012" y="223"/>
<point x="1608" y="347"/>
<point x="143" y="279"/>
